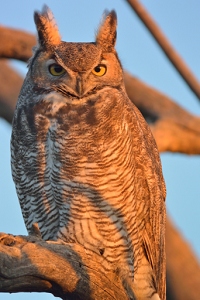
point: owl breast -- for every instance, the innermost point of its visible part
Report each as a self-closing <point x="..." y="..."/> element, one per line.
<point x="81" y="185"/>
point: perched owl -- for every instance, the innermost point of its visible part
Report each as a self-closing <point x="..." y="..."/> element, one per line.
<point x="84" y="162"/>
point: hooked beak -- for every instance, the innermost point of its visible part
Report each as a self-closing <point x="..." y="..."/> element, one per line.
<point x="79" y="87"/>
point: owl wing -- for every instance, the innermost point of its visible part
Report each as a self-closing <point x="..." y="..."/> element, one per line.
<point x="153" y="235"/>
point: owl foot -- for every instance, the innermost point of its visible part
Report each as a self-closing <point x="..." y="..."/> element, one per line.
<point x="35" y="231"/>
<point x="7" y="239"/>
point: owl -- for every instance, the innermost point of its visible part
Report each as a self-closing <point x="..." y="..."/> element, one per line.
<point x="84" y="162"/>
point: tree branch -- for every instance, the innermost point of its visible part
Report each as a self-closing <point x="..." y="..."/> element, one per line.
<point x="10" y="85"/>
<point x="174" y="128"/>
<point x="169" y="51"/>
<point x="16" y="44"/>
<point x="30" y="264"/>
<point x="183" y="270"/>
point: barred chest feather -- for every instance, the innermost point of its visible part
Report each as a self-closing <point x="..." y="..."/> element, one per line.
<point x="81" y="185"/>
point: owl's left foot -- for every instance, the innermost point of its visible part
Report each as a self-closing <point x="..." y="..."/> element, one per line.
<point x="7" y="239"/>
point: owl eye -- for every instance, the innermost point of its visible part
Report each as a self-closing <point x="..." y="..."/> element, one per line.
<point x="99" y="70"/>
<point x="56" y="70"/>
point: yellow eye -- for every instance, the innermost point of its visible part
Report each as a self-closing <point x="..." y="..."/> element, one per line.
<point x="99" y="70"/>
<point x="56" y="70"/>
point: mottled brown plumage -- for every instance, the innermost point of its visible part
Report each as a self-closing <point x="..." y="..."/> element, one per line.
<point x="84" y="161"/>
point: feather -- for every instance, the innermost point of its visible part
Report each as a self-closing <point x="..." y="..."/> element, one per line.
<point x="47" y="28"/>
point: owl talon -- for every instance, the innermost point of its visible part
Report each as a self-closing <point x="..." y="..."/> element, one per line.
<point x="35" y="231"/>
<point x="7" y="239"/>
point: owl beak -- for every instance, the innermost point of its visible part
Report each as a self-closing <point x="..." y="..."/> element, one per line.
<point x="79" y="87"/>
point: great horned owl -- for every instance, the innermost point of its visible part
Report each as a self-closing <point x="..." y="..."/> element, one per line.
<point x="84" y="162"/>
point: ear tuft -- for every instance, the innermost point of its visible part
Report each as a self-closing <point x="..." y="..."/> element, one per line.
<point x="48" y="33"/>
<point x="107" y="33"/>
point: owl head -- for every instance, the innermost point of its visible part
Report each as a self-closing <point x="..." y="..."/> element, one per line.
<point x="75" y="69"/>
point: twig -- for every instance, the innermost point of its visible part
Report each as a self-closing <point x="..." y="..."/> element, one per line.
<point x="172" y="55"/>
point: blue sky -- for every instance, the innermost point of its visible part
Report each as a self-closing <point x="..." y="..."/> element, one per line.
<point x="141" y="56"/>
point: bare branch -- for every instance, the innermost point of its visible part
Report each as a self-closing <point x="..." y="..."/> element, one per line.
<point x="183" y="270"/>
<point x="30" y="264"/>
<point x="174" y="128"/>
<point x="173" y="56"/>
<point x="10" y="85"/>
<point x="16" y="44"/>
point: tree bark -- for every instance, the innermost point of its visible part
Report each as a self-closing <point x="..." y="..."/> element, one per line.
<point x="28" y="264"/>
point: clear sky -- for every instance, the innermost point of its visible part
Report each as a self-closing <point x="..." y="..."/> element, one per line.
<point x="140" y="55"/>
